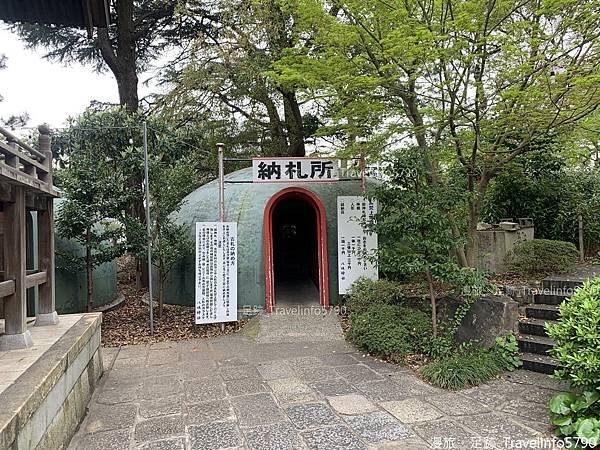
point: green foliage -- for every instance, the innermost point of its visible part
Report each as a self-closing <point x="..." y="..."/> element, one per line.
<point x="365" y="293"/>
<point x="577" y="415"/>
<point x="577" y="337"/>
<point x="412" y="223"/>
<point x="544" y="186"/>
<point x="389" y="331"/>
<point x="506" y="350"/>
<point x="462" y="370"/>
<point x="470" y="366"/>
<point x="542" y="256"/>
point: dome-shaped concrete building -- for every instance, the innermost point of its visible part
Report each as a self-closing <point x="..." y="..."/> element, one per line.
<point x="287" y="239"/>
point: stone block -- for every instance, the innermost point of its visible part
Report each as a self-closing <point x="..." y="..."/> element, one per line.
<point x="489" y="317"/>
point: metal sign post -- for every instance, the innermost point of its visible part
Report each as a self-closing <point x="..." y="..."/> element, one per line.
<point x="220" y="147"/>
<point x="148" y="228"/>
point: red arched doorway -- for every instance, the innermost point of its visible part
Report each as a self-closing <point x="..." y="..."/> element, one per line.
<point x="296" y="193"/>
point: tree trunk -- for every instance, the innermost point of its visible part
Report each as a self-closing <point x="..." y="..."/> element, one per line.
<point x="89" y="269"/>
<point x="294" y="125"/>
<point x="433" y="302"/>
<point x="475" y="203"/>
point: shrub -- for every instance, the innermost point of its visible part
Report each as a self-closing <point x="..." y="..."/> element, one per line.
<point x="366" y="293"/>
<point x="577" y="348"/>
<point x="390" y="331"/>
<point x="470" y="365"/>
<point x="542" y="256"/>
<point x="577" y="337"/>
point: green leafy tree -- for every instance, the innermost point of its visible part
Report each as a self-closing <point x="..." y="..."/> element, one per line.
<point x="141" y="31"/>
<point x="169" y="184"/>
<point x="412" y="222"/>
<point x="87" y="214"/>
<point x="227" y="73"/>
<point x="468" y="84"/>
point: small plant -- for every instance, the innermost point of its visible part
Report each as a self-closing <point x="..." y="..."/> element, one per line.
<point x="471" y="365"/>
<point x="577" y="415"/>
<point x="389" y="331"/>
<point x="542" y="256"/>
<point x="466" y="368"/>
<point x="507" y="350"/>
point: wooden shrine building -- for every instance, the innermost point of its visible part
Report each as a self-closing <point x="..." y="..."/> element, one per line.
<point x="25" y="184"/>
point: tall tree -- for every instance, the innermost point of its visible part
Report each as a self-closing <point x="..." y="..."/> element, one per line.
<point x="87" y="214"/>
<point x="140" y="32"/>
<point x="470" y="84"/>
<point x="228" y="72"/>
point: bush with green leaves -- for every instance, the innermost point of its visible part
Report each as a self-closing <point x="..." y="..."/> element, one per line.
<point x="577" y="348"/>
<point x="390" y="331"/>
<point x="542" y="256"/>
<point x="577" y="337"/>
<point x="471" y="365"/>
<point x="577" y="415"/>
<point x="366" y="293"/>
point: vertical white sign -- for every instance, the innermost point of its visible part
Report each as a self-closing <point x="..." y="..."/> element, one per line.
<point x="355" y="245"/>
<point x="216" y="272"/>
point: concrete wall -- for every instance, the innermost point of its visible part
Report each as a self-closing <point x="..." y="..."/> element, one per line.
<point x="493" y="244"/>
<point x="71" y="287"/>
<point x="44" y="406"/>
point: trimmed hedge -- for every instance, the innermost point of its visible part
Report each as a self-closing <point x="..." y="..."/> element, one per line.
<point x="366" y="293"/>
<point x="390" y="332"/>
<point x="542" y="256"/>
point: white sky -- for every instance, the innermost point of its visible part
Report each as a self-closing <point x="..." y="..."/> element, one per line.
<point x="49" y="92"/>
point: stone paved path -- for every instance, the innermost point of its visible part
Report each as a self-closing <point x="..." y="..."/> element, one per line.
<point x="315" y="391"/>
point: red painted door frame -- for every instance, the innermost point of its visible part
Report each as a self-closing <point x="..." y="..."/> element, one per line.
<point x="315" y="202"/>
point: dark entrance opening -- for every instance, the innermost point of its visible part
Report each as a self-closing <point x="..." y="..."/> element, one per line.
<point x="295" y="255"/>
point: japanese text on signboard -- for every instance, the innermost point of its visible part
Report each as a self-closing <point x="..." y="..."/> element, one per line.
<point x="356" y="247"/>
<point x="281" y="170"/>
<point x="216" y="272"/>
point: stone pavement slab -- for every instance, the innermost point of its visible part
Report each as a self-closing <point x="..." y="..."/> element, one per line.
<point x="241" y="392"/>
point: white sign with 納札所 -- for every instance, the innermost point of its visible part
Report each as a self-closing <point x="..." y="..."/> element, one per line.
<point x="356" y="247"/>
<point x="216" y="272"/>
<point x="287" y="170"/>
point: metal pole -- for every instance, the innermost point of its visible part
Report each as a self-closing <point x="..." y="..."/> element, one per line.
<point x="220" y="147"/>
<point x="148" y="229"/>
<point x="580" y="230"/>
<point x="363" y="184"/>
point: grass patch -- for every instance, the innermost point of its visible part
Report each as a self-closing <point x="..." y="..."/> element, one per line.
<point x="471" y="365"/>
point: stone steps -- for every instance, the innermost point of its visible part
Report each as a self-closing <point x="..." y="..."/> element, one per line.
<point x="534" y="326"/>
<point x="539" y="363"/>
<point x="547" y="312"/>
<point x="549" y="299"/>
<point x="533" y="341"/>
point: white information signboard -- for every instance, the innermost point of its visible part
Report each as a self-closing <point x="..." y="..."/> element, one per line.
<point x="216" y="272"/>
<point x="354" y="243"/>
<point x="285" y="170"/>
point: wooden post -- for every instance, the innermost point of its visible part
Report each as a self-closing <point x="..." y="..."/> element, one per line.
<point x="46" y="315"/>
<point x="15" y="306"/>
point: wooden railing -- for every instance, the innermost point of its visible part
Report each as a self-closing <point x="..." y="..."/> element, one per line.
<point x="24" y="165"/>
